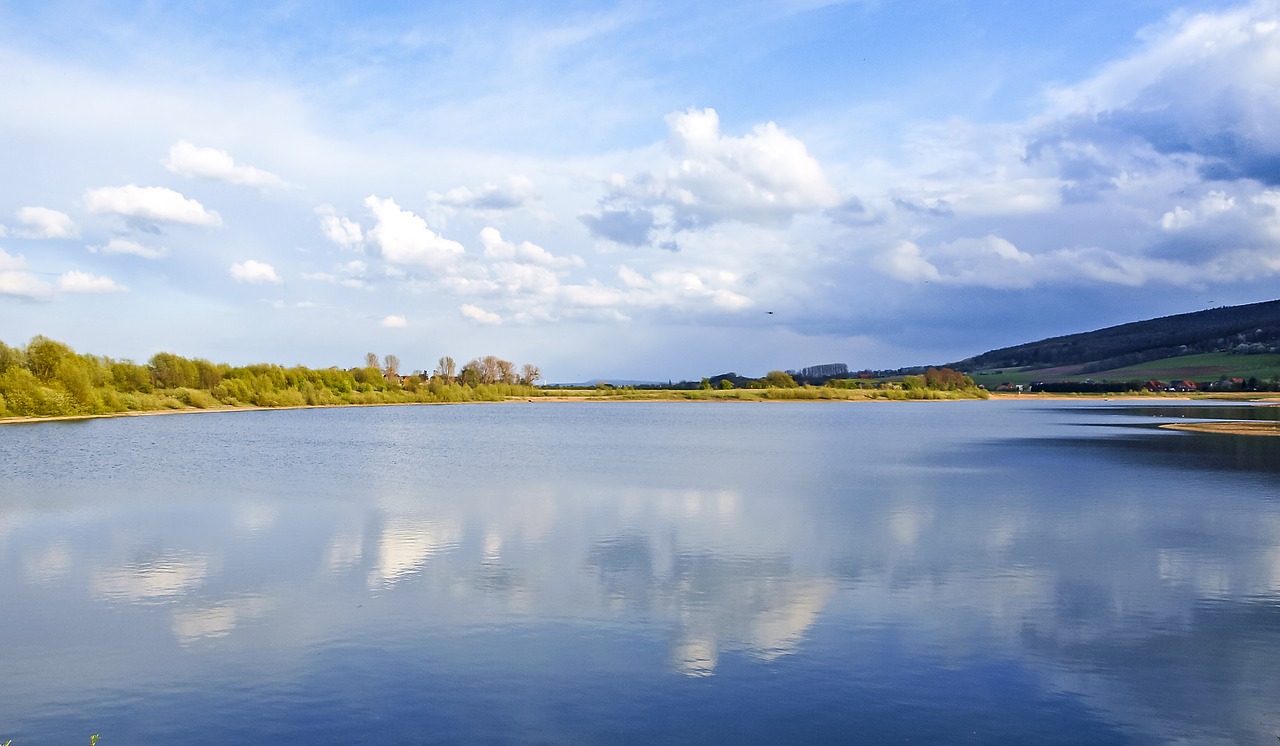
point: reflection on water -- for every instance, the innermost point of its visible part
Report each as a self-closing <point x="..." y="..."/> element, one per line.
<point x="981" y="572"/>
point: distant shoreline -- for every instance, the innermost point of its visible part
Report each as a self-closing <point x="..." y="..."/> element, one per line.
<point x="1249" y="428"/>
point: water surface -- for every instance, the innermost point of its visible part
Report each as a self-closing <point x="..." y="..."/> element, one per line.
<point x="951" y="572"/>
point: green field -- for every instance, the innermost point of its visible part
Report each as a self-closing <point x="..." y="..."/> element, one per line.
<point x="1206" y="367"/>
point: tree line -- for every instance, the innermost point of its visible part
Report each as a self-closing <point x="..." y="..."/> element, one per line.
<point x="48" y="378"/>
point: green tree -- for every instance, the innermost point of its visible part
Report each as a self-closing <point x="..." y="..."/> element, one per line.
<point x="44" y="355"/>
<point x="780" y="380"/>
<point x="170" y="371"/>
<point x="11" y="357"/>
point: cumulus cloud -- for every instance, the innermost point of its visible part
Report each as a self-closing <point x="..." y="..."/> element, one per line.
<point x="1157" y="169"/>
<point x="190" y="161"/>
<point x="515" y="192"/>
<point x="83" y="282"/>
<point x="990" y="261"/>
<point x="255" y="272"/>
<point x="1204" y="87"/>
<point x="497" y="248"/>
<point x="16" y="282"/>
<point x="765" y="177"/>
<point x="340" y="230"/>
<point x="133" y="248"/>
<point x="1213" y="204"/>
<point x="393" y="322"/>
<point x="42" y="222"/>
<point x="150" y="203"/>
<point x="479" y="315"/>
<point x="405" y="238"/>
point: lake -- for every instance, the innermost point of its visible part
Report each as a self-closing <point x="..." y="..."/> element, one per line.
<point x="649" y="572"/>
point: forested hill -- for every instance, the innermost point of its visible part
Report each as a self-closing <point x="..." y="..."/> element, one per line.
<point x="1254" y="328"/>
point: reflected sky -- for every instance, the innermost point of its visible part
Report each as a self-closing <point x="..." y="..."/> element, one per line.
<point x="592" y="572"/>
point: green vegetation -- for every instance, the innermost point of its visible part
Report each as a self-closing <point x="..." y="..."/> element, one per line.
<point x="1252" y="329"/>
<point x="1205" y="367"/>
<point x="49" y="379"/>
<point x="934" y="384"/>
<point x="1263" y="370"/>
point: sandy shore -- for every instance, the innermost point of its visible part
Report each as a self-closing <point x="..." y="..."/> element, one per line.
<point x="1229" y="428"/>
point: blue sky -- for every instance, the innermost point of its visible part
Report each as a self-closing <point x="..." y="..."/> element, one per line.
<point x="630" y="190"/>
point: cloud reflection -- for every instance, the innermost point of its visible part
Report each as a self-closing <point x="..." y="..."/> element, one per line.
<point x="156" y="581"/>
<point x="190" y="625"/>
<point x="406" y="544"/>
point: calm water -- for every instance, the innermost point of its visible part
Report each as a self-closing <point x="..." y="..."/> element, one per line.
<point x="968" y="572"/>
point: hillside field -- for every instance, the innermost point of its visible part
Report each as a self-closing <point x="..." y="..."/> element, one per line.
<point x="1200" y="368"/>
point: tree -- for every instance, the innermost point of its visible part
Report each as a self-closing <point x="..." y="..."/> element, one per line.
<point x="391" y="366"/>
<point x="446" y="368"/>
<point x="371" y="360"/>
<point x="170" y="371"/>
<point x="11" y="357"/>
<point x="529" y="374"/>
<point x="44" y="355"/>
<point x="780" y="380"/>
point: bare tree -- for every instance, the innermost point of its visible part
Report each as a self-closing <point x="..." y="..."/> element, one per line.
<point x="529" y="374"/>
<point x="506" y="371"/>
<point x="446" y="368"/>
<point x="488" y="369"/>
<point x="391" y="366"/>
<point x="371" y="360"/>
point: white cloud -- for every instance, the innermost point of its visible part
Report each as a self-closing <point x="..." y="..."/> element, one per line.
<point x="253" y="271"/>
<point x="993" y="262"/>
<point x="125" y="246"/>
<point x="10" y="262"/>
<point x="150" y="203"/>
<point x="23" y="285"/>
<point x="15" y="281"/>
<point x="405" y="238"/>
<point x="516" y="192"/>
<point x="43" y="222"/>
<point x="393" y="322"/>
<point x="905" y="262"/>
<point x="188" y="160"/>
<point x="83" y="282"/>
<point x="1211" y="205"/>
<point x="524" y="278"/>
<point x="479" y="315"/>
<point x="342" y="231"/>
<point x="497" y="248"/>
<point x="766" y="178"/>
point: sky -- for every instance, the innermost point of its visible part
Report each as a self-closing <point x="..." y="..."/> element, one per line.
<point x="629" y="190"/>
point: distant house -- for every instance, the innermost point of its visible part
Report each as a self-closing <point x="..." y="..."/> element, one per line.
<point x="1154" y="385"/>
<point x="1183" y="386"/>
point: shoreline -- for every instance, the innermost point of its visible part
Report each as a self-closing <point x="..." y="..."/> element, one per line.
<point x="1235" y="427"/>
<point x="1239" y="427"/>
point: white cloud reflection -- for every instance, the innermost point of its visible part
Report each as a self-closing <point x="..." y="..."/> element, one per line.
<point x="155" y="581"/>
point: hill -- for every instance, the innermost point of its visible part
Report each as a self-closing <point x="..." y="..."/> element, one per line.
<point x="1249" y="329"/>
